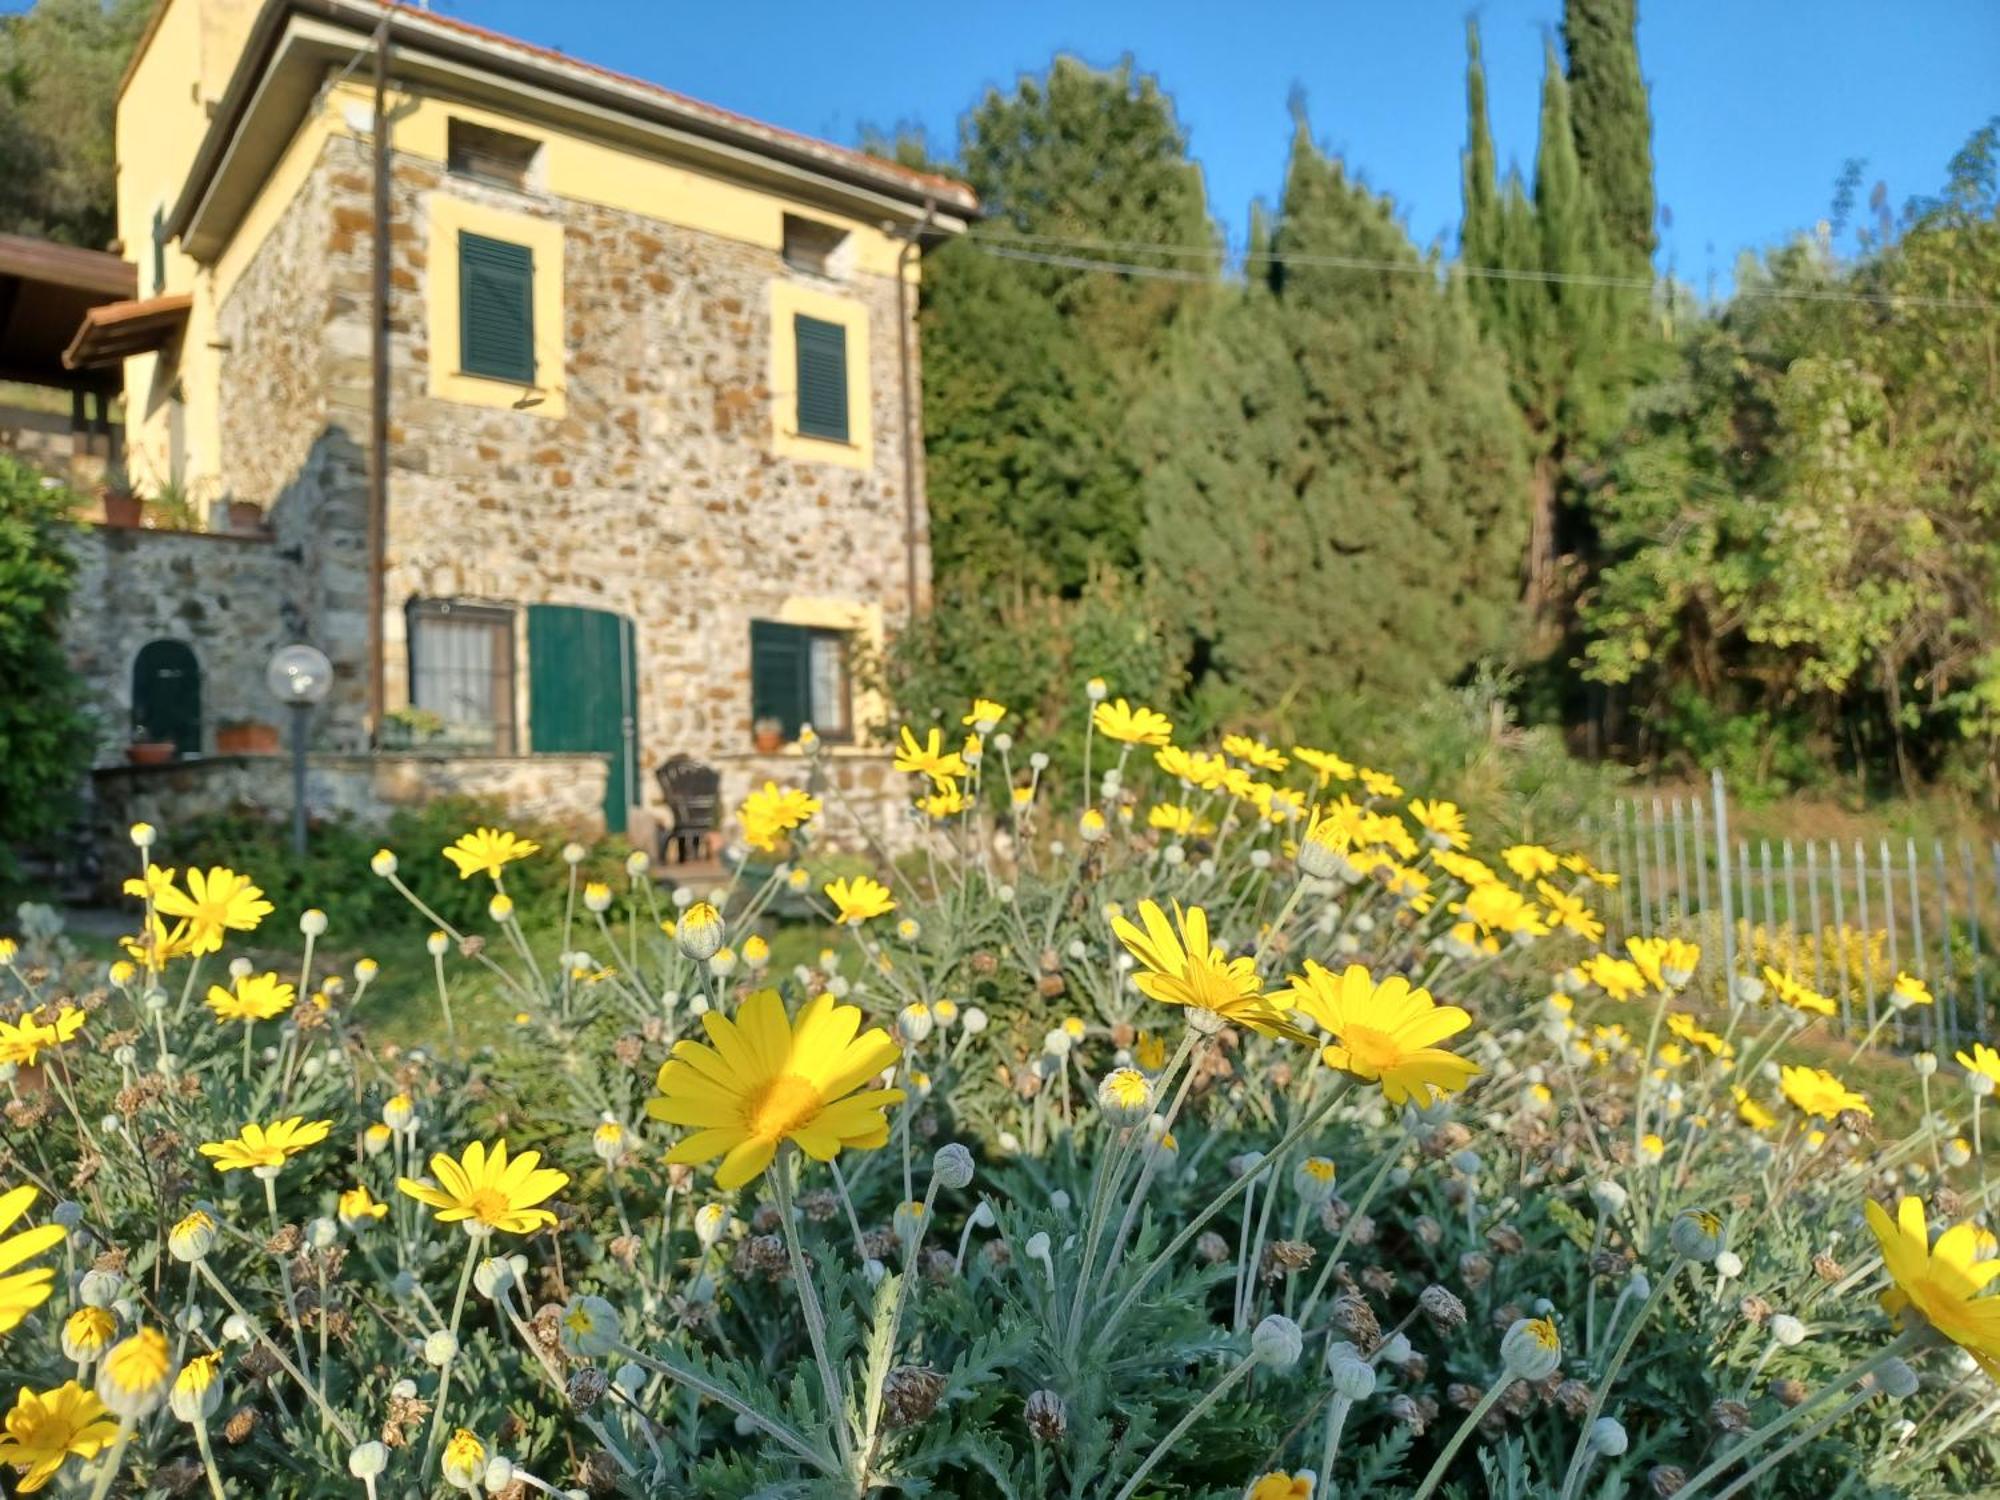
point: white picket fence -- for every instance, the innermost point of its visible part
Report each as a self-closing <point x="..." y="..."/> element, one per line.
<point x="1842" y="916"/>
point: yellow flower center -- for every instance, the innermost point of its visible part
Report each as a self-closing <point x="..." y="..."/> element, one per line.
<point x="781" y="1106"/>
<point x="489" y="1205"/>
<point x="1372" y="1049"/>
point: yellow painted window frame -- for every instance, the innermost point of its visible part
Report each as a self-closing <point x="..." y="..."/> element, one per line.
<point x="447" y="217"/>
<point x="788" y="301"/>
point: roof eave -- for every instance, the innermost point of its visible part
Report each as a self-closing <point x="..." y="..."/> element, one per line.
<point x="295" y="42"/>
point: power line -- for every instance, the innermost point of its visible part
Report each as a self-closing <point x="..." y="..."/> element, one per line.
<point x="1010" y="247"/>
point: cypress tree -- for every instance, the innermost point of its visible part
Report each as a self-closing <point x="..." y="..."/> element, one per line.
<point x="1613" y="124"/>
<point x="1332" y="504"/>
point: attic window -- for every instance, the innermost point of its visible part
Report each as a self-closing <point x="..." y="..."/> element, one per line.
<point x="815" y="247"/>
<point x="487" y="155"/>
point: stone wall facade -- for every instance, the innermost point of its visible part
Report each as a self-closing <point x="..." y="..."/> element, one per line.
<point x="231" y="599"/>
<point x="565" y="791"/>
<point x="656" y="495"/>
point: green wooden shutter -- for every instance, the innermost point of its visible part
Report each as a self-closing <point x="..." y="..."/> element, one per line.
<point x="822" y="350"/>
<point x="780" y="677"/>
<point x="582" y="692"/>
<point x="159" y="251"/>
<point x="496" y="309"/>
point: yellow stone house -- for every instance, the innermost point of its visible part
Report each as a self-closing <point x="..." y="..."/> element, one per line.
<point x="574" y="419"/>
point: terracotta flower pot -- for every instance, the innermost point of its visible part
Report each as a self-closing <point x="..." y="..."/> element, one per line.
<point x="123" y="510"/>
<point x="246" y="739"/>
<point x="246" y="516"/>
<point x="769" y="741"/>
<point x="150" y="752"/>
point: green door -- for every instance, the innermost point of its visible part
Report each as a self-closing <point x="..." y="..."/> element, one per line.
<point x="166" y="695"/>
<point x="583" y="695"/>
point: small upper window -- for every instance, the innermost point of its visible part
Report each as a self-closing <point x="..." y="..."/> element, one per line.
<point x="812" y="246"/>
<point x="488" y="155"/>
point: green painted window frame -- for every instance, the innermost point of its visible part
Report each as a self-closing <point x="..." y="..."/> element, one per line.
<point x="496" y="309"/>
<point x="781" y="677"/>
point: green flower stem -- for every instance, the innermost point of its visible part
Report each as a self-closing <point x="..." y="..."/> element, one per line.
<point x="1601" y="1387"/>
<point x="1900" y="1345"/>
<point x="1200" y="1220"/>
<point x="1107" y="1194"/>
<point x="285" y="1280"/>
<point x="1860" y="1397"/>
<point x="473" y="1244"/>
<point x="1347" y="1230"/>
<point x="1149" y="1165"/>
<point x="444" y="999"/>
<point x="284" y="1360"/>
<point x="207" y="1451"/>
<point x="836" y="1405"/>
<point x="1472" y="1420"/>
<point x="1336" y="1418"/>
<point x="1215" y="1393"/>
<point x="113" y="1463"/>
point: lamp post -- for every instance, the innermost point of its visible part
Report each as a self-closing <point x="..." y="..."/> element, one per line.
<point x="299" y="676"/>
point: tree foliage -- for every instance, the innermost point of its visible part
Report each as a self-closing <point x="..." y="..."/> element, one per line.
<point x="60" y="64"/>
<point x="1330" y="463"/>
<point x="1612" y="124"/>
<point x="1800" y="525"/>
<point x="44" y="739"/>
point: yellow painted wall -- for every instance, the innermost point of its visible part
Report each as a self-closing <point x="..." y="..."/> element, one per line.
<point x="162" y="115"/>
<point x="788" y="300"/>
<point x="544" y="239"/>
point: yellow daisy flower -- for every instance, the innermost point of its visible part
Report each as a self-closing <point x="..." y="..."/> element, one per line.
<point x="261" y="1148"/>
<point x="928" y="757"/>
<point x="23" y="1042"/>
<point x="1941" y="1281"/>
<point x="45" y="1429"/>
<point x="256" y="997"/>
<point x="1185" y="968"/>
<point x="216" y="901"/>
<point x="488" y="851"/>
<point x="762" y="1079"/>
<point x="859" y="899"/>
<point x="1818" y="1093"/>
<point x="485" y="1190"/>
<point x="1386" y="1033"/>
<point x="1119" y="720"/>
<point x="21" y="1292"/>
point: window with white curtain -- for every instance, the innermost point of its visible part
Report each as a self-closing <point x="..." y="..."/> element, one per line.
<point x="462" y="670"/>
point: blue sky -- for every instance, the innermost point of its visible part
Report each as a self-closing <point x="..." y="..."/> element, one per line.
<point x="1756" y="103"/>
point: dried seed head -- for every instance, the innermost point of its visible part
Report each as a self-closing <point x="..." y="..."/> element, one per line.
<point x="1826" y="1268"/>
<point x="1356" y="1320"/>
<point x="1445" y="1312"/>
<point x="587" y="1385"/>
<point x="242" y="1422"/>
<point x="1284" y="1258"/>
<point x="1378" y="1279"/>
<point x="1463" y="1395"/>
<point x="1788" y="1392"/>
<point x="1506" y="1239"/>
<point x="1573" y="1396"/>
<point x="910" y="1394"/>
<point x="1427" y="1229"/>
<point x="1405" y="1410"/>
<point x="1729" y="1416"/>
<point x="1666" y="1480"/>
<point x="1211" y="1248"/>
<point x="1047" y="1417"/>
<point x="1754" y="1309"/>
<point x="1475" y="1269"/>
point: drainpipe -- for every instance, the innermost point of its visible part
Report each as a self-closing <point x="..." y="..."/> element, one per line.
<point x="905" y="337"/>
<point x="378" y="425"/>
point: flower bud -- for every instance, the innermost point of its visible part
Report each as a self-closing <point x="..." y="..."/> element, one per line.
<point x="914" y="1023"/>
<point x="1788" y="1330"/>
<point x="497" y="1275"/>
<point x="464" y="1465"/>
<point x="1313" y="1181"/>
<point x="700" y="931"/>
<point x="1609" y="1196"/>
<point x="1728" y="1265"/>
<point x="499" y="1474"/>
<point x="384" y="863"/>
<point x="1277" y="1341"/>
<point x="134" y="1376"/>
<point x="441" y="1347"/>
<point x="1531" y="1349"/>
<point x="192" y="1238"/>
<point x="312" y="922"/>
<point x="589" y="1327"/>
<point x="710" y="1220"/>
<point x="1607" y="1436"/>
<point x="1124" y="1097"/>
<point x="1696" y="1234"/>
<point x="437" y="945"/>
<point x="974" y="1020"/>
<point x="1353" y="1378"/>
<point x="952" y="1166"/>
<point x="1896" y="1380"/>
<point x="367" y="1460"/>
<point x="1925" y="1063"/>
<point x="98" y="1288"/>
<point x="197" y="1390"/>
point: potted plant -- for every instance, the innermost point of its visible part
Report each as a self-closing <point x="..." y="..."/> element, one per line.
<point x="172" y="508"/>
<point x="122" y="505"/>
<point x="768" y="735"/>
<point x="246" y="517"/>
<point x="145" y="751"/>
<point x="246" y="737"/>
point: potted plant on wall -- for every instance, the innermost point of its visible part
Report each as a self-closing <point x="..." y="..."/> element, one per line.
<point x="147" y="751"/>
<point x="122" y="505"/>
<point x="768" y="735"/>
<point x="246" y="737"/>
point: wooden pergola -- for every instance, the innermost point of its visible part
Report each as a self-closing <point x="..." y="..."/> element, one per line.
<point x="47" y="291"/>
